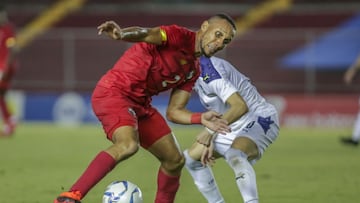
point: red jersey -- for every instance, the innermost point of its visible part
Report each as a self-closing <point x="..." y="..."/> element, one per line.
<point x="7" y="34"/>
<point x="145" y="69"/>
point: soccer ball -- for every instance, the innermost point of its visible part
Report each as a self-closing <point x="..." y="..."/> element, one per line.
<point x="122" y="192"/>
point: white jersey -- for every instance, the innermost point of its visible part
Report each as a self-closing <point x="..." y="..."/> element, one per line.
<point x="217" y="82"/>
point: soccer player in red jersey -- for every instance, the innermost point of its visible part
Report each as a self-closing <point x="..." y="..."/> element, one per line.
<point x="7" y="69"/>
<point x="163" y="58"/>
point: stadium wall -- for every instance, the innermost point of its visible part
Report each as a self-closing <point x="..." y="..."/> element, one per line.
<point x="77" y="58"/>
<point x="71" y="108"/>
<point x="65" y="63"/>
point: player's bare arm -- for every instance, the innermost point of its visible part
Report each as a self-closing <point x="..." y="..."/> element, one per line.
<point x="199" y="151"/>
<point x="132" y="34"/>
<point x="238" y="108"/>
<point x="351" y="72"/>
<point x="177" y="113"/>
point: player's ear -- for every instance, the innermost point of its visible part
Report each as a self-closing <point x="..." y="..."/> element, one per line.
<point x="204" y="25"/>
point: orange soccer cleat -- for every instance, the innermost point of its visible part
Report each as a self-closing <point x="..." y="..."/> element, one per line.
<point x="69" y="197"/>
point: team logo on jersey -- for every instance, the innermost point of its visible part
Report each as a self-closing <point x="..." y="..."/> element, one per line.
<point x="206" y="77"/>
<point x="183" y="62"/>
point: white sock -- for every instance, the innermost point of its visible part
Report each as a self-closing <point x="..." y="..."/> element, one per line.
<point x="356" y="131"/>
<point x="244" y="174"/>
<point x="203" y="179"/>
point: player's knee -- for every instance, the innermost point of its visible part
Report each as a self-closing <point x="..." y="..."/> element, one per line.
<point x="174" y="164"/>
<point x="131" y="148"/>
<point x="238" y="161"/>
<point x="235" y="157"/>
<point x="247" y="146"/>
<point x="123" y="151"/>
<point x="179" y="163"/>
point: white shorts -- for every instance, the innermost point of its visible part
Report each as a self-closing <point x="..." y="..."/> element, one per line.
<point x="261" y="130"/>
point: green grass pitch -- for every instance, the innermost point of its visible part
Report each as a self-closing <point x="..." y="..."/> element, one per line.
<point x="303" y="165"/>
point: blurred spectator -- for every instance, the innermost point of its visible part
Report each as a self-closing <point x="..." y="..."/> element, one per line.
<point x="7" y="69"/>
<point x="348" y="79"/>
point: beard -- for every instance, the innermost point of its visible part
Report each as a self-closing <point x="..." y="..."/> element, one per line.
<point x="203" y="50"/>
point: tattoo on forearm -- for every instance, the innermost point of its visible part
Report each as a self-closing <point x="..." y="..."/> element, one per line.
<point x="133" y="33"/>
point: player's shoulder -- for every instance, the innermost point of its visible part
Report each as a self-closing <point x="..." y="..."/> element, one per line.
<point x="179" y="37"/>
<point x="219" y="64"/>
<point x="209" y="69"/>
<point x="176" y="28"/>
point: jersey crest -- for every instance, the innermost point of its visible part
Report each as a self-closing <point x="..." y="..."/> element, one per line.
<point x="208" y="71"/>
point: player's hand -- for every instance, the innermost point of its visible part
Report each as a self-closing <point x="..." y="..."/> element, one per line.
<point x="207" y="157"/>
<point x="204" y="138"/>
<point x="213" y="121"/>
<point x="112" y="29"/>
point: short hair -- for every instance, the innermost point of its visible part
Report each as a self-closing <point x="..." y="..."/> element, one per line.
<point x="225" y="17"/>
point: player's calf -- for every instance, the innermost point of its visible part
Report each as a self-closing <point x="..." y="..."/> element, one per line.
<point x="244" y="174"/>
<point x="203" y="179"/>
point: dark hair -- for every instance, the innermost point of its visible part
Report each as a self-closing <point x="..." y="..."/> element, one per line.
<point x="226" y="17"/>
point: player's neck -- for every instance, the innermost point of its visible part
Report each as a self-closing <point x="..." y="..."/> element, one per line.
<point x="197" y="44"/>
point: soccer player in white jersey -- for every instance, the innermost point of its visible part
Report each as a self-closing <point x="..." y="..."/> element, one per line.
<point x="254" y="126"/>
<point x="349" y="77"/>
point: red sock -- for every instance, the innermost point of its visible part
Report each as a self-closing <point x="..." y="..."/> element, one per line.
<point x="167" y="188"/>
<point x="4" y="109"/>
<point x="97" y="169"/>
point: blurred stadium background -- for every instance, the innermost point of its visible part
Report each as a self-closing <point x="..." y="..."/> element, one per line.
<point x="295" y="52"/>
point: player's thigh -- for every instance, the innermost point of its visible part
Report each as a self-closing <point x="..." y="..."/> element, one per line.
<point x="256" y="137"/>
<point x="247" y="146"/>
<point x="166" y="149"/>
<point x="126" y="143"/>
<point x="152" y="128"/>
<point x="113" y="110"/>
<point x="125" y="135"/>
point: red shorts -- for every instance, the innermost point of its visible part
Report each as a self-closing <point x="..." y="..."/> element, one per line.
<point x="115" y="110"/>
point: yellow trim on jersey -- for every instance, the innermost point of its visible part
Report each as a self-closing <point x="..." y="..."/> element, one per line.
<point x="163" y="35"/>
<point x="10" y="42"/>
